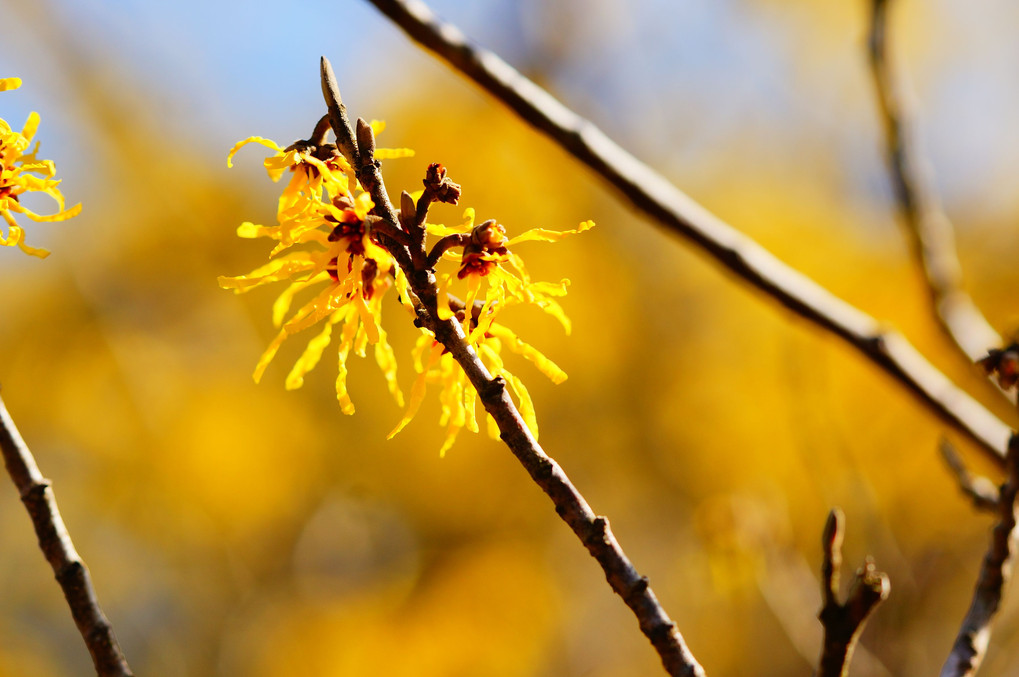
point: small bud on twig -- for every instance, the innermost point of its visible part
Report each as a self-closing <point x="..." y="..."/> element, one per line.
<point x="338" y="113"/>
<point x="438" y="187"/>
<point x="365" y="140"/>
<point x="408" y="211"/>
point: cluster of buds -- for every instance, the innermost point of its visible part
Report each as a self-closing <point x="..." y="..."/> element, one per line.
<point x="439" y="188"/>
<point x="347" y="245"/>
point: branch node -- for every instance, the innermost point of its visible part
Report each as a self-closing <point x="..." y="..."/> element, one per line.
<point x="494" y="388"/>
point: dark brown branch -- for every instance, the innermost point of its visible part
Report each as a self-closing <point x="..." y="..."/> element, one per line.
<point x="843" y="623"/>
<point x="982" y="491"/>
<point x="322" y="127"/>
<point x="55" y="543"/>
<point x="338" y="116"/>
<point x="379" y="226"/>
<point x="975" y="633"/>
<point x="931" y="236"/>
<point x="672" y="209"/>
<point x="444" y="245"/>
<point x="593" y="530"/>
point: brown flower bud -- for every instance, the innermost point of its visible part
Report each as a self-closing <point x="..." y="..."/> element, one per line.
<point x="408" y="210"/>
<point x="441" y="188"/>
<point x="365" y="140"/>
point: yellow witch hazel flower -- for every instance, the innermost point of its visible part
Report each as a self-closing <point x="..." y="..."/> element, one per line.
<point x="327" y="252"/>
<point x="324" y="208"/>
<point x="486" y="261"/>
<point x="458" y="397"/>
<point x="22" y="172"/>
<point x="485" y="251"/>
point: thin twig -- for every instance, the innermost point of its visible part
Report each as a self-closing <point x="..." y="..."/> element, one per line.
<point x="788" y="585"/>
<point x="593" y="530"/>
<point x="982" y="491"/>
<point x="672" y="209"/>
<point x="975" y="634"/>
<point x="55" y="543"/>
<point x="931" y="236"/>
<point x="843" y="623"/>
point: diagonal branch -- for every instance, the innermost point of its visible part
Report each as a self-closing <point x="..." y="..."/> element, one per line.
<point x="984" y="493"/>
<point x="975" y="634"/>
<point x="930" y="232"/>
<point x="593" y="530"/>
<point x="676" y="212"/>
<point x="55" y="543"/>
<point x="843" y="622"/>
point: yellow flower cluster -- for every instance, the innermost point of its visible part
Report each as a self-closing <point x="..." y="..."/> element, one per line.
<point x="325" y="241"/>
<point x="22" y="172"/>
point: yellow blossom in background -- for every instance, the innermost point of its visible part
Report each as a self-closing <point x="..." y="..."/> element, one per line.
<point x="22" y="172"/>
<point x="323" y="207"/>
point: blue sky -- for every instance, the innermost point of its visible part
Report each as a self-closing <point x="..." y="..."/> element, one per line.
<point x="691" y="73"/>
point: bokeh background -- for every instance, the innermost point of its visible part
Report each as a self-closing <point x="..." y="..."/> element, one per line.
<point x="235" y="529"/>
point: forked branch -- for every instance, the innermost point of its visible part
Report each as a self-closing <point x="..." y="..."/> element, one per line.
<point x="676" y="212"/>
<point x="975" y="634"/>
<point x="593" y="530"/>
<point x="843" y="622"/>
<point x="55" y="542"/>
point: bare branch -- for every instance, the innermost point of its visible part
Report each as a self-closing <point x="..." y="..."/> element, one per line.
<point x="572" y="507"/>
<point x="975" y="634"/>
<point x="788" y="585"/>
<point x="676" y="212"/>
<point x="931" y="235"/>
<point x="55" y="543"/>
<point x="982" y="491"/>
<point x="843" y="623"/>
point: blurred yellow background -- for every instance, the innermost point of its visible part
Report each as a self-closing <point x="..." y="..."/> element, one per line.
<point x="234" y="529"/>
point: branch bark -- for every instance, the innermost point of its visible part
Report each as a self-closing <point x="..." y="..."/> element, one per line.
<point x="984" y="493"/>
<point x="931" y="236"/>
<point x="55" y="543"/>
<point x="592" y="530"/>
<point x="677" y="213"/>
<point x="975" y="634"/>
<point x="843" y="622"/>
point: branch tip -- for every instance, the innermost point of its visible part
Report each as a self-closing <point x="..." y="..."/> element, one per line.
<point x="365" y="140"/>
<point x="843" y="622"/>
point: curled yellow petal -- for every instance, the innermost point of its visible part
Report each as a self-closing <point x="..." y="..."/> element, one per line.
<point x="417" y="392"/>
<point x="7" y="84"/>
<point x="31" y="126"/>
<point x="545" y="235"/>
<point x="442" y="299"/>
<point x="470" y="406"/>
<point x="309" y="358"/>
<point x="268" y="143"/>
<point x="346" y="340"/>
<point x="530" y="353"/>
<point x="526" y="405"/>
<point x="451" y="432"/>
<point x="385" y="357"/>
